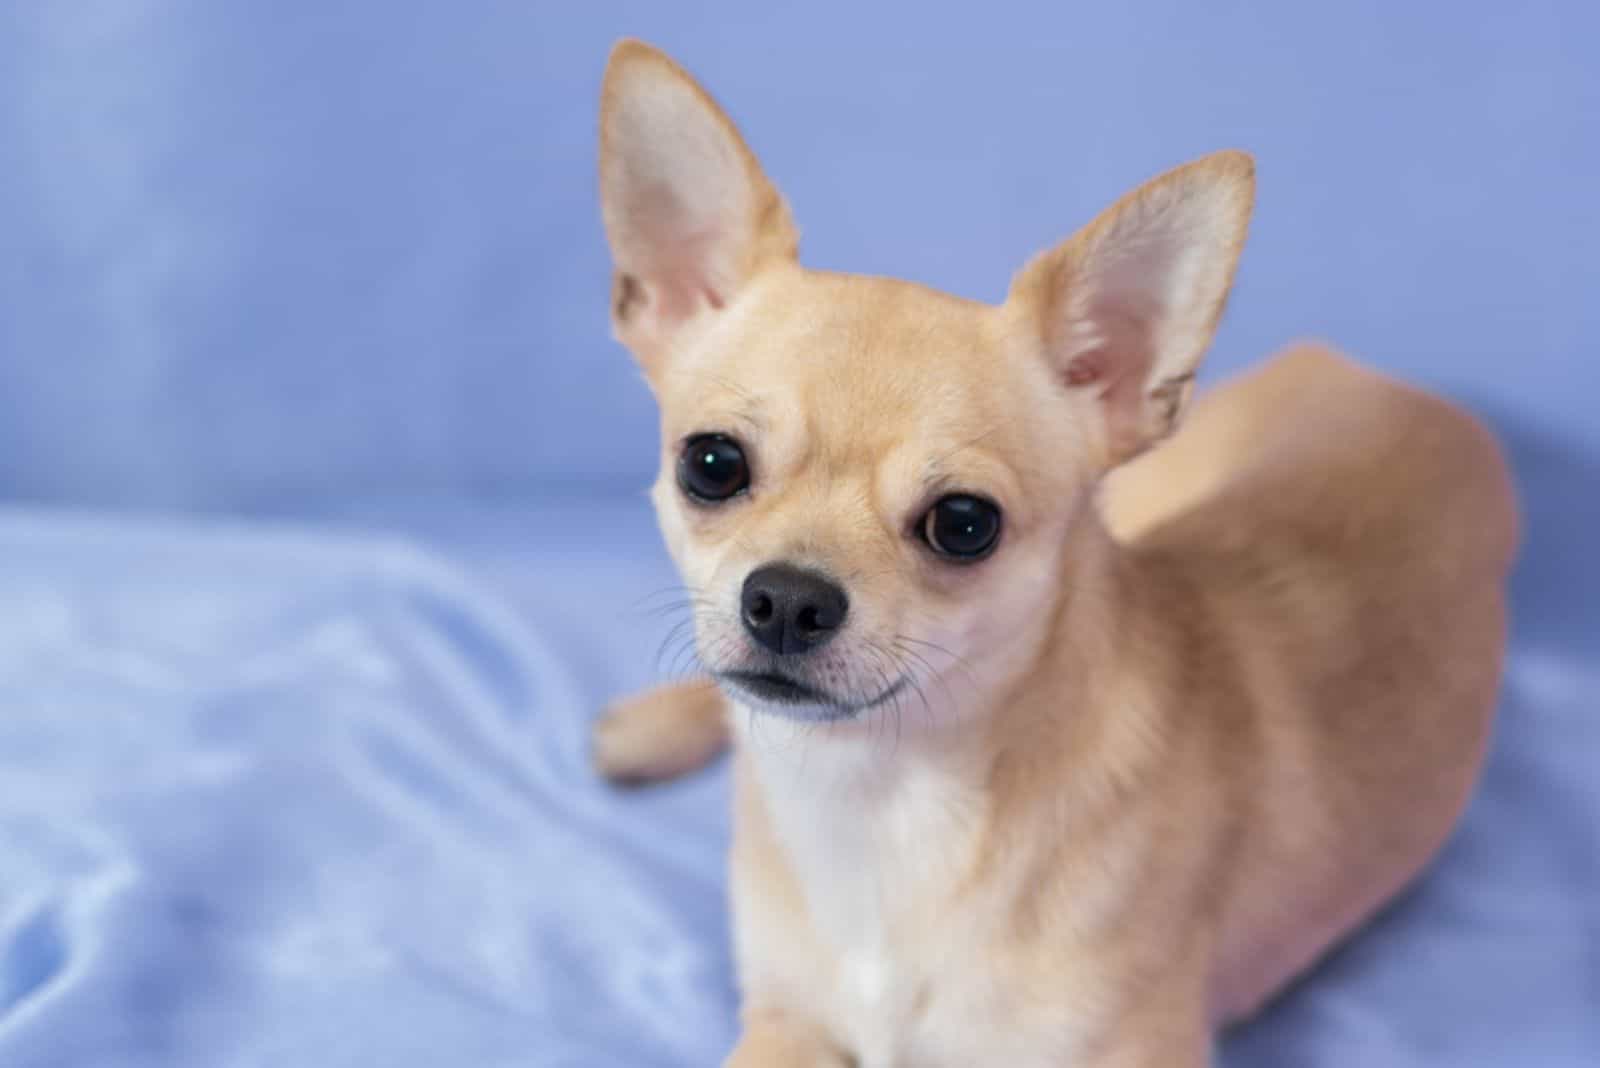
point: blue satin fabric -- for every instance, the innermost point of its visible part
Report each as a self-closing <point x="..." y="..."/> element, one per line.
<point x="280" y="793"/>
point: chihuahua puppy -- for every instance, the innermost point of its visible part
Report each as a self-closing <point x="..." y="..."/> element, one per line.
<point x="1053" y="748"/>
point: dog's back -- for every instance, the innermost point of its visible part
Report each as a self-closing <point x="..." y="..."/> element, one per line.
<point x="1351" y="537"/>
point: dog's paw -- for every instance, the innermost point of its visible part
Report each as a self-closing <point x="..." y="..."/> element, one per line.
<point x="659" y="734"/>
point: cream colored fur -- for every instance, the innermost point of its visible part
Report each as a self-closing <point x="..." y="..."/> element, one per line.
<point x="1211" y="701"/>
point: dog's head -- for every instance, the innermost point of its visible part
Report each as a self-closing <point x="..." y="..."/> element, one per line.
<point x="866" y="484"/>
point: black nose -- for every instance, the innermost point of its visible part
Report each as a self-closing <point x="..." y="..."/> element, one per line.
<point x="791" y="611"/>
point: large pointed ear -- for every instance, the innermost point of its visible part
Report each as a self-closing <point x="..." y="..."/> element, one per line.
<point x="1125" y="309"/>
<point x="689" y="214"/>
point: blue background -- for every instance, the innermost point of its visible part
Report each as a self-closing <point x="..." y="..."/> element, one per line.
<point x="256" y="253"/>
<point x="293" y="763"/>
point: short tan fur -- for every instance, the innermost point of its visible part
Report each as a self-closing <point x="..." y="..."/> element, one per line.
<point x="1221" y="686"/>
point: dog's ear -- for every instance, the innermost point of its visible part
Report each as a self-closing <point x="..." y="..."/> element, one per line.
<point x="688" y="212"/>
<point x="1127" y="306"/>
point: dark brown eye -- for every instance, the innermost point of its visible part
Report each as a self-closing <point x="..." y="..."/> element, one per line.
<point x="712" y="468"/>
<point x="961" y="527"/>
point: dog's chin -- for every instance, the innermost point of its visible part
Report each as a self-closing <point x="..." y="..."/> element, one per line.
<point x="784" y="695"/>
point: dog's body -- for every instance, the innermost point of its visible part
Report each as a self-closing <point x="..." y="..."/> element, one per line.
<point x="1113" y="782"/>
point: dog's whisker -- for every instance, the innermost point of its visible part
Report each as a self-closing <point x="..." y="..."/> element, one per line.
<point x="934" y="674"/>
<point x="668" y="609"/>
<point x="678" y="592"/>
<point x="956" y="659"/>
<point x="670" y="641"/>
<point x="883" y="682"/>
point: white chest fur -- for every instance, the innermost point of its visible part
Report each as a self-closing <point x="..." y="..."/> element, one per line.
<point x="882" y="845"/>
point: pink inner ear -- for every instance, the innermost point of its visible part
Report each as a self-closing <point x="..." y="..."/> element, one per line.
<point x="1085" y="369"/>
<point x="692" y="265"/>
<point x="1115" y="328"/>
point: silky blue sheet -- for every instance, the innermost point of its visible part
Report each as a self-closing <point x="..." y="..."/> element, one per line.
<point x="282" y="793"/>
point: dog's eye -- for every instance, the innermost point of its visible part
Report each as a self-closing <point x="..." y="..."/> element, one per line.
<point x="712" y="467"/>
<point x="961" y="527"/>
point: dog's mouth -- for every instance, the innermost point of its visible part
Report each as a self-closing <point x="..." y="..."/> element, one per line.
<point x="776" y="688"/>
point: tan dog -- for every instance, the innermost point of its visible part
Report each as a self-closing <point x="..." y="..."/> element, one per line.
<point x="1027" y="776"/>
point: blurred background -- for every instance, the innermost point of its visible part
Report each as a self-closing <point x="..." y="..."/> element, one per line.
<point x="321" y="519"/>
<point x="259" y="253"/>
